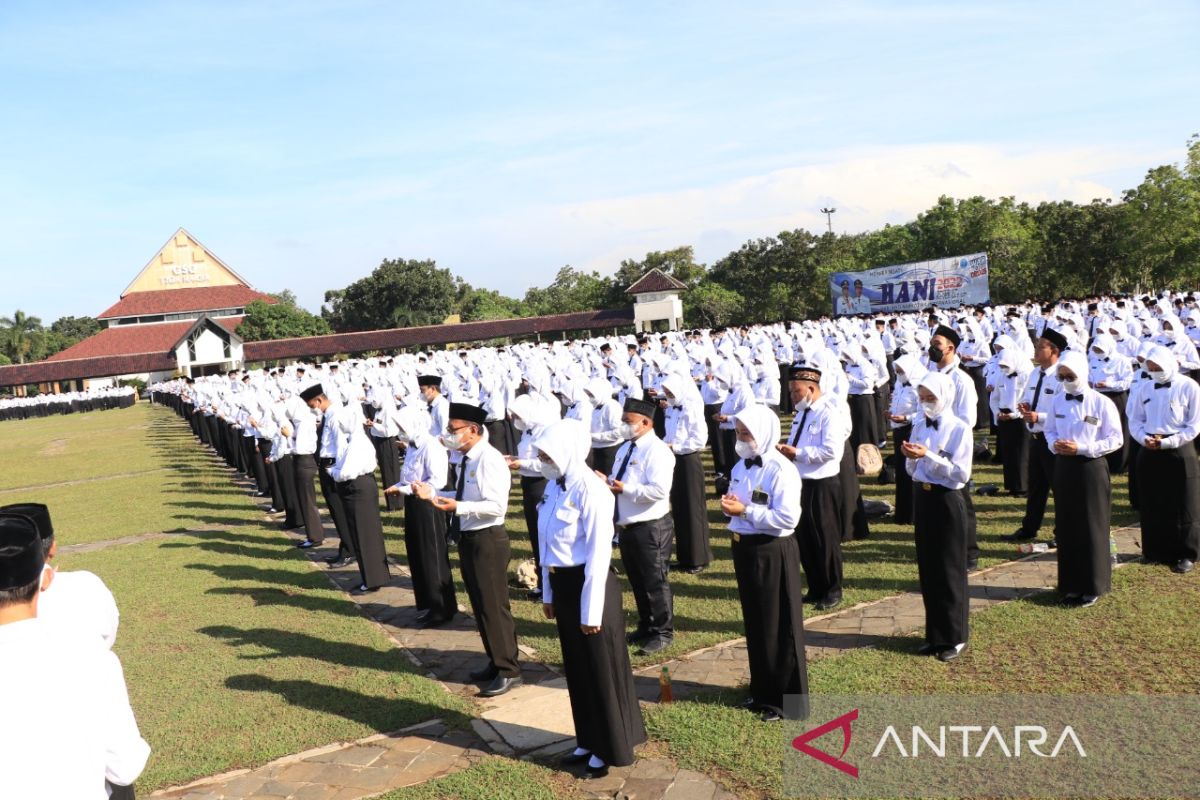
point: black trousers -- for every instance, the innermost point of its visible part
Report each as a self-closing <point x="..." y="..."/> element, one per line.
<point x="1169" y="504"/>
<point x="429" y="558"/>
<point x="883" y="401"/>
<point x="483" y="557"/>
<point x="262" y="451"/>
<point x="769" y="587"/>
<point x="904" y="490"/>
<point x="604" y="704"/>
<point x="715" y="443"/>
<point x="940" y="518"/>
<point x="360" y="502"/>
<point x="603" y="458"/>
<point x="285" y="476"/>
<point x="820" y="537"/>
<point x="531" y="494"/>
<point x="690" y="515"/>
<point x="337" y="511"/>
<point x="785" y="397"/>
<point x="983" y="411"/>
<point x="1041" y="472"/>
<point x="854" y="514"/>
<point x="388" y="456"/>
<point x="116" y="792"/>
<point x="864" y="428"/>
<point x="1013" y="440"/>
<point x="1135" y="450"/>
<point x="304" y="468"/>
<point x="278" y="500"/>
<point x="645" y="555"/>
<point x="1118" y="460"/>
<point x="1083" y="513"/>
<point x="500" y="436"/>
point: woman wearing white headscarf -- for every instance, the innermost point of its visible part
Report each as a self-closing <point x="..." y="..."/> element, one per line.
<point x="583" y="597"/>
<point x="1012" y="436"/>
<point x="1111" y="374"/>
<point x="530" y="416"/>
<point x="938" y="457"/>
<point x="1164" y="417"/>
<point x="425" y="461"/>
<point x="1081" y="429"/>
<point x="605" y="424"/>
<point x="905" y="406"/>
<point x="763" y="506"/>
<point x="686" y="435"/>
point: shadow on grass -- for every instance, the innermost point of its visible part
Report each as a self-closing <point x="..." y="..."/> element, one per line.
<point x="380" y="714"/>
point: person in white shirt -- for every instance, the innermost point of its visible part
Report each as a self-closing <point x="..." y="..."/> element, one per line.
<point x="1012" y="436"/>
<point x="529" y="416"/>
<point x="76" y="601"/>
<point x="763" y="506"/>
<point x="425" y="462"/>
<point x="478" y="505"/>
<point x="1164" y="418"/>
<point x="79" y="734"/>
<point x="815" y="447"/>
<point x="1039" y="395"/>
<point x="382" y="427"/>
<point x="301" y="426"/>
<point x="938" y="457"/>
<point x="686" y="435"/>
<point x="439" y="406"/>
<point x="604" y="425"/>
<point x="1111" y="374"/>
<point x="1083" y="426"/>
<point x="583" y="597"/>
<point x="904" y="408"/>
<point x="353" y="473"/>
<point x="641" y="479"/>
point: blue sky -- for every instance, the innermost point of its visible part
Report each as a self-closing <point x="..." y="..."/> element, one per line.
<point x="304" y="141"/>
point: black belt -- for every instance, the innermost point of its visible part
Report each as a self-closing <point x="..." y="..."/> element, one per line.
<point x="642" y="524"/>
<point x="556" y="570"/>
<point x="935" y="487"/>
<point x="480" y="531"/>
<point x="326" y="462"/>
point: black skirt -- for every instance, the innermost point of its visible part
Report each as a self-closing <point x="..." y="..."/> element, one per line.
<point x="1013" y="440"/>
<point x="904" y="501"/>
<point x="1169" y="503"/>
<point x="1082" y="513"/>
<point x="604" y="705"/>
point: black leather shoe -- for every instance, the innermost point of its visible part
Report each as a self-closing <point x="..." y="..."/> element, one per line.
<point x="488" y="673"/>
<point x="306" y="545"/>
<point x="749" y="703"/>
<point x="571" y="759"/>
<point x="500" y="685"/>
<point x="594" y="773"/>
<point x="337" y="563"/>
<point x="1183" y="566"/>
<point x="654" y="645"/>
<point x="433" y="622"/>
<point x="950" y="653"/>
<point x="1018" y="536"/>
<point x="636" y="637"/>
<point x="828" y="603"/>
<point x="422" y="614"/>
<point x="770" y="715"/>
<point x="927" y="649"/>
<point x="363" y="590"/>
<point x="972" y="565"/>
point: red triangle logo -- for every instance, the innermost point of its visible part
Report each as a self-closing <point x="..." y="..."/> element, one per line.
<point x="801" y="742"/>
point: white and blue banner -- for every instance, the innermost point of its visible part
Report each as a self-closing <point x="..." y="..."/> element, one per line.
<point x="944" y="282"/>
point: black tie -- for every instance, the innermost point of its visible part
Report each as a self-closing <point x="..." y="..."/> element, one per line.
<point x="932" y="423"/>
<point x="753" y="462"/>
<point x="562" y="482"/>
<point x="1078" y="398"/>
<point x="1037" y="391"/>
<point x="455" y="519"/>
<point x="625" y="462"/>
<point x="799" y="428"/>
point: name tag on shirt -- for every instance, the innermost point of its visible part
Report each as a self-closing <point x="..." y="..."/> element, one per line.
<point x="1060" y="416"/>
<point x="1091" y="420"/>
<point x="759" y="497"/>
<point x="1047" y="391"/>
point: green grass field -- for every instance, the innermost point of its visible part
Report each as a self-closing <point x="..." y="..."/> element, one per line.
<point x="237" y="651"/>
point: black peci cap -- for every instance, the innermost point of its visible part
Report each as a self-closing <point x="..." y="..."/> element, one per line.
<point x="312" y="392"/>
<point x="948" y="333"/>
<point x="467" y="413"/>
<point x="634" y="405"/>
<point x="21" y="556"/>
<point x="38" y="512"/>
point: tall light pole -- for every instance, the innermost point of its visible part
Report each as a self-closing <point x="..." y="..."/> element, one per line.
<point x="828" y="212"/>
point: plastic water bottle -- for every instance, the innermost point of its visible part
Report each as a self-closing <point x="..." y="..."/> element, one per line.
<point x="664" y="686"/>
<point x="1112" y="549"/>
<point x="1032" y="547"/>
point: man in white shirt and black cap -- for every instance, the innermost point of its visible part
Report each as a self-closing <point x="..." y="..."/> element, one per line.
<point x="353" y="473"/>
<point x="478" y="505"/>
<point x="77" y="736"/>
<point x="641" y="479"/>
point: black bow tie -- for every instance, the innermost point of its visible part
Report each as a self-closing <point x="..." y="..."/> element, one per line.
<point x="1078" y="398"/>
<point x="562" y="482"/>
<point x="1162" y="385"/>
<point x="932" y="423"/>
<point x="753" y="462"/>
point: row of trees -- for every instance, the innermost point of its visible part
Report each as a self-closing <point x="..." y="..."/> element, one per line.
<point x="23" y="338"/>
<point x="1150" y="238"/>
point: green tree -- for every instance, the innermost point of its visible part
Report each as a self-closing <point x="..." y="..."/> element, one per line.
<point x="1161" y="224"/>
<point x="398" y="294"/>
<point x="709" y="305"/>
<point x="572" y="290"/>
<point x="476" y="305"/>
<point x="77" y="328"/>
<point x="19" y="335"/>
<point x="282" y="320"/>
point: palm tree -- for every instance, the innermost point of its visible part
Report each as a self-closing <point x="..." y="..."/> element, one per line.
<point x="16" y="337"/>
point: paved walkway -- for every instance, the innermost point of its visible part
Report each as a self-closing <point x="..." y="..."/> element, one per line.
<point x="534" y="721"/>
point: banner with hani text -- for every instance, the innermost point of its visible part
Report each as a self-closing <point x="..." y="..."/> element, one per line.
<point x="944" y="282"/>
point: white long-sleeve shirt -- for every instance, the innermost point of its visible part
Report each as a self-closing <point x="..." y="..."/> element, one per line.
<point x="1092" y="422"/>
<point x="949" y="448"/>
<point x="66" y="741"/>
<point x="686" y="430"/>
<point x="80" y="604"/>
<point x="1172" y="409"/>
<point x="821" y="442"/>
<point x="779" y="512"/>
<point x="649" y="473"/>
<point x="354" y="454"/>
<point x="486" y="483"/>
<point x="606" y="424"/>
<point x="426" y="461"/>
<point x="575" y="527"/>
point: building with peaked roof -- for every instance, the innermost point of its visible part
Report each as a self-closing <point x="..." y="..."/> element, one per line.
<point x="656" y="299"/>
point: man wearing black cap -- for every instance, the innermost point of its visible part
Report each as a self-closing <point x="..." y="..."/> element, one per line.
<point x="430" y="387"/>
<point x="641" y="480"/>
<point x="478" y="505"/>
<point x="325" y="453"/>
<point x="353" y="473"/>
<point x="67" y="740"/>
<point x="943" y="357"/>
<point x="1039" y="397"/>
<point x="815" y="446"/>
<point x="77" y="602"/>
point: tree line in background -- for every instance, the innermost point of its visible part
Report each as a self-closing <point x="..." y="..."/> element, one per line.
<point x="1149" y="239"/>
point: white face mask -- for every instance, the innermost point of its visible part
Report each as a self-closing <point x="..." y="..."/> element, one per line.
<point x="550" y="471"/>
<point x="520" y="424"/>
<point x="803" y="403"/>
<point x="451" y="441"/>
<point x="1159" y="376"/>
<point x="627" y="431"/>
<point x="745" y="449"/>
<point x="1073" y="386"/>
<point x="932" y="410"/>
